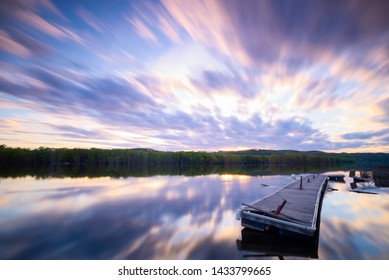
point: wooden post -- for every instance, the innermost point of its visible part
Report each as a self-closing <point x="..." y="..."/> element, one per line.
<point x="301" y="182"/>
<point x="279" y="208"/>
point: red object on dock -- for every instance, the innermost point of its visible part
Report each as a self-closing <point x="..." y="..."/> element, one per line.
<point x="279" y="208"/>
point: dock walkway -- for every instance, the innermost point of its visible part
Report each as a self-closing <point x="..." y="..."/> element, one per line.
<point x="298" y="214"/>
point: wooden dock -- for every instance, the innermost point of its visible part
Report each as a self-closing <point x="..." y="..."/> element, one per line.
<point x="294" y="209"/>
<point x="336" y="177"/>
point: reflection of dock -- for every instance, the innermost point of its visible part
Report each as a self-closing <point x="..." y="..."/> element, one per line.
<point x="381" y="176"/>
<point x="294" y="209"/>
<point x="266" y="244"/>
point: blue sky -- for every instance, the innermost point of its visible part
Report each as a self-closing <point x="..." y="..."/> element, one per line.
<point x="195" y="75"/>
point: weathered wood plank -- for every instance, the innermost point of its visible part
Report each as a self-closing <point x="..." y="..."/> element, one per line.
<point x="301" y="206"/>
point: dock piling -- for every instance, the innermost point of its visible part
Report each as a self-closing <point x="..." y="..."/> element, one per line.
<point x="279" y="208"/>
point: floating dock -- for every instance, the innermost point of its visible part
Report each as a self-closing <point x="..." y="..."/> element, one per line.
<point x="365" y="176"/>
<point x="293" y="210"/>
<point x="336" y="177"/>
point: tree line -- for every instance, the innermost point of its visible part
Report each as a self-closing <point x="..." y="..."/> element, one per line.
<point x="147" y="157"/>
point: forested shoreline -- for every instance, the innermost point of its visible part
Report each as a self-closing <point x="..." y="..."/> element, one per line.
<point x="63" y="162"/>
<point x="147" y="157"/>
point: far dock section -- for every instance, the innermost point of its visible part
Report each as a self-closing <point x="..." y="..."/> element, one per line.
<point x="336" y="177"/>
<point x="293" y="210"/>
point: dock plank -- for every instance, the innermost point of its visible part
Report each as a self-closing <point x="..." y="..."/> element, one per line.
<point x="301" y="203"/>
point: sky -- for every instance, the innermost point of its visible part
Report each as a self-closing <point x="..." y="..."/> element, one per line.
<point x="195" y="75"/>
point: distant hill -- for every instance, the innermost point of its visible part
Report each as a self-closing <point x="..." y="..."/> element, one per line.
<point x="364" y="158"/>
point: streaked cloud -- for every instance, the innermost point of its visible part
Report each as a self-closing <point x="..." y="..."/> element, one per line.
<point x="365" y="135"/>
<point x="204" y="75"/>
<point x="90" y="19"/>
<point x="9" y="45"/>
<point x="143" y="30"/>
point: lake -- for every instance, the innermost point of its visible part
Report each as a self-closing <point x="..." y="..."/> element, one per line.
<point x="174" y="217"/>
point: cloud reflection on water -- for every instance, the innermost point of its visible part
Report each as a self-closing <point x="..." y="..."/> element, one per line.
<point x="157" y="217"/>
<point x="167" y="217"/>
<point x="354" y="226"/>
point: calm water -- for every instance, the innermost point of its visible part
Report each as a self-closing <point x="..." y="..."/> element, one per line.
<point x="170" y="217"/>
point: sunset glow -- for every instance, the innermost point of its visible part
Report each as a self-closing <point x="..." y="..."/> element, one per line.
<point x="195" y="75"/>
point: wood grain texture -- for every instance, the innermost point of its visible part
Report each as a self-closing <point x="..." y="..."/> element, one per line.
<point x="301" y="203"/>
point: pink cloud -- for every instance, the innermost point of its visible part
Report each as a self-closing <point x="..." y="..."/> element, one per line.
<point x="154" y="14"/>
<point x="9" y="45"/>
<point x="90" y="19"/>
<point x="27" y="12"/>
<point x="41" y="24"/>
<point x="169" y="29"/>
<point x="226" y="26"/>
<point x="47" y="4"/>
<point x="142" y="29"/>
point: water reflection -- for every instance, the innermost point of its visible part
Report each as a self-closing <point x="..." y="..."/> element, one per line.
<point x="95" y="171"/>
<point x="267" y="244"/>
<point x="354" y="226"/>
<point x="169" y="217"/>
<point x="161" y="217"/>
